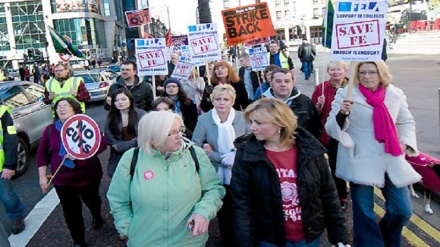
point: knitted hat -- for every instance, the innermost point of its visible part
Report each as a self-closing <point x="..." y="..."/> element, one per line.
<point x="172" y="80"/>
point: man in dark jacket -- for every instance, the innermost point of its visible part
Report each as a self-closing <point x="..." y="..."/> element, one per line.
<point x="283" y="87"/>
<point x="248" y="76"/>
<point x="141" y="90"/>
<point x="306" y="53"/>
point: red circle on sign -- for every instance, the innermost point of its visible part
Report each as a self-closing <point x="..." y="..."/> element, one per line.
<point x="72" y="133"/>
<point x="66" y="57"/>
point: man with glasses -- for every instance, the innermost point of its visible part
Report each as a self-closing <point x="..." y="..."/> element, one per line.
<point x="141" y="90"/>
<point x="64" y="84"/>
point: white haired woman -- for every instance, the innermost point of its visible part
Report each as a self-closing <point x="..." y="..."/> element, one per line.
<point x="172" y="195"/>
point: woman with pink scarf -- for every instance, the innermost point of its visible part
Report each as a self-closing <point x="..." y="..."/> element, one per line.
<point x="375" y="130"/>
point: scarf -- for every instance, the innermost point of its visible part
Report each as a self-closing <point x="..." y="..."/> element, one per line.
<point x="67" y="162"/>
<point x="384" y="127"/>
<point x="226" y="143"/>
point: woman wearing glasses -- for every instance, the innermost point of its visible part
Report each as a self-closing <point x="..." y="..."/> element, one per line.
<point x="167" y="201"/>
<point x="77" y="181"/>
<point x="215" y="132"/>
<point x="375" y="129"/>
<point x="184" y="106"/>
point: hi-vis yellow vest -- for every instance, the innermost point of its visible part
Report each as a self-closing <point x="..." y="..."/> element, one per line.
<point x="283" y="60"/>
<point x="11" y="130"/>
<point x="61" y="92"/>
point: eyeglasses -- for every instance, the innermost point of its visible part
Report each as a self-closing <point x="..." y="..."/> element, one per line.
<point x="171" y="86"/>
<point x="364" y="73"/>
<point x="63" y="107"/>
<point x="175" y="132"/>
<point x="59" y="71"/>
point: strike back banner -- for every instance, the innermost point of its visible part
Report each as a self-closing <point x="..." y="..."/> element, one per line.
<point x="151" y="56"/>
<point x="247" y="23"/>
<point x="358" y="30"/>
<point x="137" y="18"/>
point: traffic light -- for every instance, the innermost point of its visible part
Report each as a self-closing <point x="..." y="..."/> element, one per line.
<point x="30" y="53"/>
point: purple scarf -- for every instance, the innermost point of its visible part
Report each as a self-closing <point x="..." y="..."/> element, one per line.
<point x="384" y="127"/>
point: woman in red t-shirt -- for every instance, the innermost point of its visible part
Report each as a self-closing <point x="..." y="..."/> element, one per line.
<point x="282" y="190"/>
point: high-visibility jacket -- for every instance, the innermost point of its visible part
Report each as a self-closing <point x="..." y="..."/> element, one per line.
<point x="72" y="83"/>
<point x="10" y="129"/>
<point x="283" y="60"/>
<point x="2" y="75"/>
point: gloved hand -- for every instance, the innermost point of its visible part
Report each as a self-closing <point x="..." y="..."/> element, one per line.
<point x="228" y="159"/>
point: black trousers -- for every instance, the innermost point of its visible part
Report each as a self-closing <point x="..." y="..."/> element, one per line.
<point x="226" y="220"/>
<point x="341" y="185"/>
<point x="71" y="200"/>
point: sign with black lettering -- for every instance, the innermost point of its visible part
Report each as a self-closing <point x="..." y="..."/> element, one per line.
<point x="81" y="136"/>
<point x="137" y="18"/>
<point x="247" y="23"/>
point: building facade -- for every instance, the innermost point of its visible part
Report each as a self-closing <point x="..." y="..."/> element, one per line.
<point x="96" y="27"/>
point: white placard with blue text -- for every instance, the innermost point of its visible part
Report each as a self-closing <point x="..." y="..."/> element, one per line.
<point x="151" y="56"/>
<point x="258" y="56"/>
<point x="183" y="68"/>
<point x="185" y="52"/>
<point x="203" y="42"/>
<point x="358" y="30"/>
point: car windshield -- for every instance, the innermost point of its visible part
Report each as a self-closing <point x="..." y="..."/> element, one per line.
<point x="91" y="78"/>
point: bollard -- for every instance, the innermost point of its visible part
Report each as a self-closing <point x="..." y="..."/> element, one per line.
<point x="316" y="76"/>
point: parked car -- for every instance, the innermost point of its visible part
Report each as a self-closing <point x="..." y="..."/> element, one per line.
<point x="97" y="82"/>
<point x="116" y="68"/>
<point x="13" y="74"/>
<point x="30" y="116"/>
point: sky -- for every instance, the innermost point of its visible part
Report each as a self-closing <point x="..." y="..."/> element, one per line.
<point x="182" y="13"/>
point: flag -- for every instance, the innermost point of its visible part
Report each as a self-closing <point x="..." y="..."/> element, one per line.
<point x="147" y="35"/>
<point x="327" y="25"/>
<point x="63" y="46"/>
<point x="169" y="38"/>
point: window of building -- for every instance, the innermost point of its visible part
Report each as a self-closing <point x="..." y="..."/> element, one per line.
<point x="28" y="24"/>
<point x="286" y="2"/>
<point x="278" y="3"/>
<point x="226" y="4"/>
<point x="316" y="12"/>
<point x="4" y="36"/>
<point x="287" y="14"/>
<point x="106" y="8"/>
<point x="279" y="15"/>
<point x="83" y="32"/>
<point x="75" y="6"/>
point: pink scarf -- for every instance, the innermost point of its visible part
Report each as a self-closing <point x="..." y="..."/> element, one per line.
<point x="384" y="127"/>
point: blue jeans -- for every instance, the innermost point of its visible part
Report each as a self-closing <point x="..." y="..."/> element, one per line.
<point x="307" y="69"/>
<point x="366" y="230"/>
<point x="302" y="243"/>
<point x="13" y="206"/>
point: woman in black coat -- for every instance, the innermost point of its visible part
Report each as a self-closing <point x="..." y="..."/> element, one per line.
<point x="184" y="106"/>
<point x="282" y="189"/>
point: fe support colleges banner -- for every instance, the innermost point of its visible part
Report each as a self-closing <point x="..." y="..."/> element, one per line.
<point x="358" y="30"/>
<point x="247" y="23"/>
<point x="150" y="56"/>
<point x="258" y="57"/>
<point x="203" y="43"/>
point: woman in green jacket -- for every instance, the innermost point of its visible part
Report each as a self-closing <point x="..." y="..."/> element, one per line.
<point x="169" y="200"/>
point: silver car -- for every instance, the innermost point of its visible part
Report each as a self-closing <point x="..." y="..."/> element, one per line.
<point x="97" y="82"/>
<point x="30" y="116"/>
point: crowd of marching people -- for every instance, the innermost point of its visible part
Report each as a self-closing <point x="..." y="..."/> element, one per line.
<point x="271" y="163"/>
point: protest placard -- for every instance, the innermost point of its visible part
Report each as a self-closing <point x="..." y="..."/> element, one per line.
<point x="203" y="42"/>
<point x="151" y="56"/>
<point x="81" y="136"/>
<point x="183" y="68"/>
<point x="187" y="54"/>
<point x="178" y="41"/>
<point x="258" y="41"/>
<point x="258" y="56"/>
<point x="247" y="23"/>
<point x="137" y="18"/>
<point x="359" y="28"/>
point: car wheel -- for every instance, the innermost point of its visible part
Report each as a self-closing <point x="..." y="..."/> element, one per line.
<point x="23" y="157"/>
